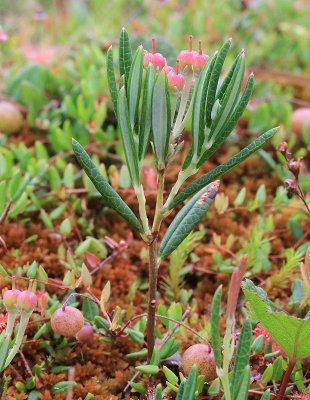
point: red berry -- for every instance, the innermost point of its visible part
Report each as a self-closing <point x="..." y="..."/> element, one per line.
<point x="186" y="57"/>
<point x="157" y="59"/>
<point x="27" y="301"/>
<point x="10" y="298"/>
<point x="200" y="59"/>
<point x="85" y="334"/>
<point x="67" y="321"/>
<point x="202" y="356"/>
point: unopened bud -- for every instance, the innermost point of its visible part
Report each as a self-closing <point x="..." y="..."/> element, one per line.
<point x="294" y="166"/>
<point x="10" y="299"/>
<point x="27" y="301"/>
<point x="282" y="148"/>
<point x="291" y="186"/>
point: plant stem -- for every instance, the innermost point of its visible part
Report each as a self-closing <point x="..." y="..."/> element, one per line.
<point x="285" y="380"/>
<point x="151" y="311"/>
<point x="159" y="202"/>
<point x="24" y="319"/>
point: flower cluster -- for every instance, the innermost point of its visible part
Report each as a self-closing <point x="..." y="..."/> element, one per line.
<point x="188" y="62"/>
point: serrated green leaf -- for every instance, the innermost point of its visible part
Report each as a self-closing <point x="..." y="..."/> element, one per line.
<point x="134" y="86"/>
<point x="146" y="112"/>
<point x="224" y="168"/>
<point x="216" y="71"/>
<point x="231" y="122"/>
<point x="292" y="334"/>
<point x="111" y="79"/>
<point x="107" y="192"/>
<point x="241" y="359"/>
<point x="161" y="118"/>
<point x="215" y="326"/>
<point x="127" y="138"/>
<point x="125" y="55"/>
<point x="187" y="219"/>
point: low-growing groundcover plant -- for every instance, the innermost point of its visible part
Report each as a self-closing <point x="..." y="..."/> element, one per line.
<point x="153" y="103"/>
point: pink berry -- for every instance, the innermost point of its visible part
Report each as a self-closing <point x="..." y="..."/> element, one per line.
<point x="85" y="334"/>
<point x="186" y="57"/>
<point x="176" y="80"/>
<point x="157" y="59"/>
<point x="10" y="298"/>
<point x="27" y="301"/>
<point x="202" y="356"/>
<point x="200" y="59"/>
<point x="67" y="321"/>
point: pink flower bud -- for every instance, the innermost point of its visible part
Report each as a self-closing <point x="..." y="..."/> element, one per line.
<point x="176" y="80"/>
<point x="27" y="301"/>
<point x="67" y="321"/>
<point x="186" y="57"/>
<point x="10" y="299"/>
<point x="157" y="59"/>
<point x="85" y="334"/>
<point x="167" y="69"/>
<point x="199" y="59"/>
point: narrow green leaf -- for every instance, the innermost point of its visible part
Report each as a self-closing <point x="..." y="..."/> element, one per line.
<point x="146" y="112"/>
<point x="170" y="376"/>
<point x="111" y="79"/>
<point x="291" y="333"/>
<point x="161" y="118"/>
<point x="266" y="395"/>
<point x="138" y="387"/>
<point x="198" y="114"/>
<point x="190" y="384"/>
<point x="127" y="138"/>
<point x="231" y="122"/>
<point x="107" y="192"/>
<point x="134" y="86"/>
<point x="158" y="393"/>
<point x="226" y="80"/>
<point x="187" y="219"/>
<point x="125" y="55"/>
<point x="216" y="71"/>
<point x="243" y="389"/>
<point x="148" y="369"/>
<point x="222" y="169"/>
<point x="241" y="359"/>
<point x="215" y="326"/>
<point x="230" y="98"/>
<point x="181" y="391"/>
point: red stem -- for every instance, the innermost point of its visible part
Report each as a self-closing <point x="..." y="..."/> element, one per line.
<point x="285" y="380"/>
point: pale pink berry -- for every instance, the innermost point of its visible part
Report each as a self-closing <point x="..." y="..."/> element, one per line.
<point x="67" y="321"/>
<point x="10" y="298"/>
<point x="154" y="58"/>
<point x="186" y="57"/>
<point x="85" y="334"/>
<point x="202" y="356"/>
<point x="27" y="301"/>
<point x="200" y="59"/>
<point x="176" y="80"/>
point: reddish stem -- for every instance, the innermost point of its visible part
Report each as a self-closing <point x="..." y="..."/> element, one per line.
<point x="285" y="380"/>
<point x="200" y="47"/>
<point x="153" y="46"/>
<point x="190" y="43"/>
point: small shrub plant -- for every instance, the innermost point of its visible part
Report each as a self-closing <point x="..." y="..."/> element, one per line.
<point x="153" y="104"/>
